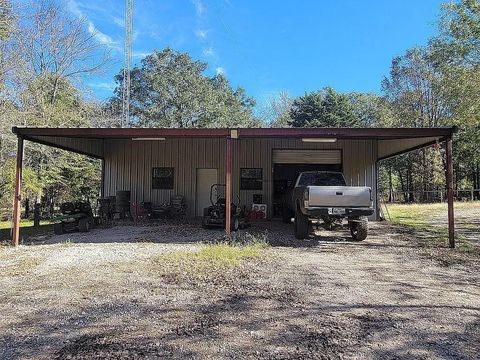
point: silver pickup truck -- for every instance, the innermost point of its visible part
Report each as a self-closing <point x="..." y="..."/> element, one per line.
<point x="325" y="197"/>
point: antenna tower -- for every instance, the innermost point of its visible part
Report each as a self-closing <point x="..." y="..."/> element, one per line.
<point x="127" y="60"/>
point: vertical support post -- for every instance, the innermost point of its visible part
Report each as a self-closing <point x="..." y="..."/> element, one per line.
<point x="228" y="186"/>
<point x="17" y="196"/>
<point x="376" y="199"/>
<point x="451" y="220"/>
<point x="102" y="186"/>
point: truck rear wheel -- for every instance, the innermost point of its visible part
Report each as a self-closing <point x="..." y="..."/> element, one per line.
<point x="359" y="229"/>
<point x="302" y="226"/>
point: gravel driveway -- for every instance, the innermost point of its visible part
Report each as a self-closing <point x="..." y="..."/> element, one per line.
<point x="100" y="295"/>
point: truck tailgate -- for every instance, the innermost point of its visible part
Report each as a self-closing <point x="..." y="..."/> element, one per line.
<point x="339" y="196"/>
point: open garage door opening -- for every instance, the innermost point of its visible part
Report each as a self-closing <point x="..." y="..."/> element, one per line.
<point x="288" y="164"/>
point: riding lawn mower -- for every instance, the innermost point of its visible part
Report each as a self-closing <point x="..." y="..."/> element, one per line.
<point x="215" y="214"/>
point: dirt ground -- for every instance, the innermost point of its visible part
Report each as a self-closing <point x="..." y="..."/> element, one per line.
<point x="101" y="295"/>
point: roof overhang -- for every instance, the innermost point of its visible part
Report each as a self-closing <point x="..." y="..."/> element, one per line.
<point x="90" y="141"/>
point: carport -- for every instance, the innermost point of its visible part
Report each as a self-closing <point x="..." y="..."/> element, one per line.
<point x="254" y="163"/>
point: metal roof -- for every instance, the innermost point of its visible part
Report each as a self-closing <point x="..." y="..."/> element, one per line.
<point x="91" y="141"/>
<point x="339" y="133"/>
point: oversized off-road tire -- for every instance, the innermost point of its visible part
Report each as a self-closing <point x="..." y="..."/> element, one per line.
<point x="359" y="228"/>
<point x="234" y="223"/>
<point x="84" y="224"/>
<point x="286" y="215"/>
<point x="58" y="228"/>
<point x="302" y="226"/>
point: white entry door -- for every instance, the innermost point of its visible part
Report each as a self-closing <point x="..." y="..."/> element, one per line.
<point x="205" y="179"/>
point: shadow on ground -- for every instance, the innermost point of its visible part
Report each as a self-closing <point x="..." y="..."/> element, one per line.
<point x="238" y="326"/>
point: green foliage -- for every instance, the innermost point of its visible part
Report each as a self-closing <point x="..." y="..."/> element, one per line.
<point x="324" y="108"/>
<point x="169" y="89"/>
<point x="414" y="90"/>
<point x="31" y="185"/>
<point x="427" y="220"/>
<point x="458" y="42"/>
<point x="372" y="110"/>
<point x="438" y="85"/>
<point x="41" y="63"/>
<point x="5" y="19"/>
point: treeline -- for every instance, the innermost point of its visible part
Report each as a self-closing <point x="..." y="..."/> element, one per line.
<point x="47" y="53"/>
<point x="434" y="85"/>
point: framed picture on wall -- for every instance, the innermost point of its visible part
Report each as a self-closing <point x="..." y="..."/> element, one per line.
<point x="163" y="178"/>
<point x="251" y="179"/>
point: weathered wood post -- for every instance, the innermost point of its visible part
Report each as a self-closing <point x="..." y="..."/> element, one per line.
<point x="451" y="219"/>
<point x="17" y="198"/>
<point x="228" y="187"/>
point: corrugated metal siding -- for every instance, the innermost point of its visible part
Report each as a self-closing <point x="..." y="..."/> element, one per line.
<point x="128" y="164"/>
<point x="307" y="156"/>
<point x="87" y="146"/>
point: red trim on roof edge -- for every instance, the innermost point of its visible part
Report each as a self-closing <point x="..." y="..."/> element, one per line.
<point x="104" y="133"/>
<point x="339" y="133"/>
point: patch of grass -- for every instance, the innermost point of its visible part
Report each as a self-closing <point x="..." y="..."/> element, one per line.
<point x="218" y="256"/>
<point x="424" y="219"/>
<point x="23" y="223"/>
<point x="210" y="263"/>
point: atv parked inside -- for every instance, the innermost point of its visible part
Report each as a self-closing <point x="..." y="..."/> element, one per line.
<point x="76" y="216"/>
<point x="215" y="214"/>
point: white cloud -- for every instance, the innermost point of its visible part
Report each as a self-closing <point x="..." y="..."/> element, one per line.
<point x="75" y="9"/>
<point x="135" y="35"/>
<point x="201" y="34"/>
<point x="199" y="7"/>
<point x="101" y="37"/>
<point x="140" y="54"/>
<point x="120" y="22"/>
<point x="210" y="51"/>
<point x="103" y="86"/>
<point x="220" y="70"/>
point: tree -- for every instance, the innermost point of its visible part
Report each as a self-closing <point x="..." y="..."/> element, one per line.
<point x="458" y="41"/>
<point x="414" y="91"/>
<point x="456" y="53"/>
<point x="438" y="85"/>
<point x="5" y="19"/>
<point x="276" y="112"/>
<point x="325" y="108"/>
<point x="49" y="41"/>
<point x="43" y="60"/>
<point x="169" y="89"/>
<point x="372" y="110"/>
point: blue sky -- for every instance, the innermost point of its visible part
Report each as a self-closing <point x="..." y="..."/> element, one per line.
<point x="268" y="46"/>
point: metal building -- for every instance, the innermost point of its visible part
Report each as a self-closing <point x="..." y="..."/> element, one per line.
<point x="256" y="164"/>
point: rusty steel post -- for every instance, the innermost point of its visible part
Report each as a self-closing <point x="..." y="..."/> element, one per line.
<point x="228" y="187"/>
<point x="451" y="219"/>
<point x="17" y="196"/>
